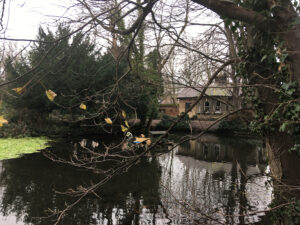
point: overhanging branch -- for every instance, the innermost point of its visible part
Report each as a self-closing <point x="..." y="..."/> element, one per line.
<point x="232" y="11"/>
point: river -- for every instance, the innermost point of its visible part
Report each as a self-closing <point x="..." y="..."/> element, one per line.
<point x="211" y="180"/>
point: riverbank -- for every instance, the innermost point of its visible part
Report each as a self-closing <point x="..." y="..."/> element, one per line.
<point x="193" y="125"/>
<point x="15" y="147"/>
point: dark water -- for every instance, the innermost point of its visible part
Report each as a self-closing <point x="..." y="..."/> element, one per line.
<point x="201" y="182"/>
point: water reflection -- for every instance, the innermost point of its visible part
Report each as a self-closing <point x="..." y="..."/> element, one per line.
<point x="216" y="177"/>
<point x="220" y="179"/>
<point x="28" y="186"/>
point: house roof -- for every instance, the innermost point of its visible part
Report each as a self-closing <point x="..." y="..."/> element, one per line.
<point x="193" y="92"/>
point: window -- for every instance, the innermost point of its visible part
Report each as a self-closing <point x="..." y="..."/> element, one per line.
<point x="218" y="107"/>
<point x="187" y="106"/>
<point x="206" y="107"/>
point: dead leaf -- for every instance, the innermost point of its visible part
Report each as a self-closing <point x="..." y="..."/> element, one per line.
<point x="51" y="95"/>
<point x="278" y="51"/>
<point x="124" y="129"/>
<point x="82" y="106"/>
<point x="108" y="120"/>
<point x="281" y="66"/>
<point x="3" y="121"/>
<point x="126" y="123"/>
<point x="124" y="114"/>
<point x="19" y="90"/>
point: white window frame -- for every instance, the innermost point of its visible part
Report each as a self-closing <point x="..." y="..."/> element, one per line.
<point x="218" y="107"/>
<point x="206" y="107"/>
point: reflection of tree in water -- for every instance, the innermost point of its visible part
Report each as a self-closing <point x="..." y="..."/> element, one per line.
<point x="28" y="189"/>
<point x="215" y="179"/>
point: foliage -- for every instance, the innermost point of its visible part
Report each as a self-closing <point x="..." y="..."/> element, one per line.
<point x="265" y="69"/>
<point x="145" y="85"/>
<point x="167" y="121"/>
<point x="13" y="148"/>
<point x="68" y="72"/>
<point x="290" y="213"/>
<point x="71" y="82"/>
<point x="296" y="147"/>
<point x="233" y="125"/>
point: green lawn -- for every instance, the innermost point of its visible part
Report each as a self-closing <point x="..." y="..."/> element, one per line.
<point x="15" y="147"/>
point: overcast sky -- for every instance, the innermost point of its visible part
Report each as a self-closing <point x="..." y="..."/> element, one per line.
<point x="25" y="16"/>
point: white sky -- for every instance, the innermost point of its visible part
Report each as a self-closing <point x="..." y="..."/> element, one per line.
<point x="25" y="16"/>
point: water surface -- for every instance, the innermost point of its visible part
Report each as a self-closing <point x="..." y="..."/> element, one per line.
<point x="212" y="180"/>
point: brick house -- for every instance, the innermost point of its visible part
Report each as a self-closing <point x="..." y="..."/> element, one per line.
<point x="169" y="105"/>
<point x="216" y="101"/>
<point x="169" y="109"/>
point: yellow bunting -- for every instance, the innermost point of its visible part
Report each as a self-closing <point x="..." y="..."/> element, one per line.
<point x="51" y="95"/>
<point x="2" y="121"/>
<point x="142" y="139"/>
<point x="82" y="106"/>
<point x="126" y="123"/>
<point x="123" y="114"/>
<point x="124" y="129"/>
<point x="19" y="90"/>
<point x="108" y="120"/>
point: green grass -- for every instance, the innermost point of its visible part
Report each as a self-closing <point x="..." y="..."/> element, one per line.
<point x="15" y="147"/>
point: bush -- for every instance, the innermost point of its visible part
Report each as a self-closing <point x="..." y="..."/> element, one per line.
<point x="233" y="125"/>
<point x="167" y="121"/>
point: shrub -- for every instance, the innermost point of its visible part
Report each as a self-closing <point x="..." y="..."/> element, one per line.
<point x="233" y="125"/>
<point x="167" y="121"/>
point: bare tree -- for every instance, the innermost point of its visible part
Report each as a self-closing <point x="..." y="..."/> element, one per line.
<point x="251" y="31"/>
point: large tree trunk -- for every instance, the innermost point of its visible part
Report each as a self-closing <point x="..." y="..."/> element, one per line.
<point x="285" y="169"/>
<point x="233" y="55"/>
<point x="292" y="41"/>
<point x="283" y="164"/>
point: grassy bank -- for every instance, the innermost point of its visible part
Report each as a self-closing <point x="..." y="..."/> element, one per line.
<point x="15" y="147"/>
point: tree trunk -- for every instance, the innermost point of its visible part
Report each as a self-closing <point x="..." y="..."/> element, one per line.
<point x="142" y="124"/>
<point x="233" y="55"/>
<point x="283" y="164"/>
<point x="148" y="126"/>
<point x="292" y="41"/>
